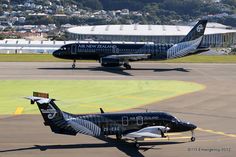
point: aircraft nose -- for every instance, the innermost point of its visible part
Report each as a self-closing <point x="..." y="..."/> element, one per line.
<point x="187" y="126"/>
<point x="192" y="126"/>
<point x="55" y="53"/>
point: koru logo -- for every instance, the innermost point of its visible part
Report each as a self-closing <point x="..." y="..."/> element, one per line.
<point x="199" y="28"/>
<point x="50" y="111"/>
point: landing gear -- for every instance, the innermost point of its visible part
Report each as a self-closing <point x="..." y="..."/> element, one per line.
<point x="73" y="65"/>
<point x="136" y="143"/>
<point x="193" y="137"/>
<point x="127" y="66"/>
<point x="118" y="137"/>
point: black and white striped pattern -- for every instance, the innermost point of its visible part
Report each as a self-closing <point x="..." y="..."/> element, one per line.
<point x="82" y="126"/>
<point x="183" y="49"/>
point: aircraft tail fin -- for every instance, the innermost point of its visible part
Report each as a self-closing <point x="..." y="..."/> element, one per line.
<point x="196" y="32"/>
<point x="190" y="43"/>
<point x="52" y="115"/>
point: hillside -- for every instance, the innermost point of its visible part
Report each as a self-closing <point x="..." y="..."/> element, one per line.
<point x="155" y="11"/>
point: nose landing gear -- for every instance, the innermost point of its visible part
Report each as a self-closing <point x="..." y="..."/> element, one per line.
<point x="73" y="65"/>
<point x="193" y="137"/>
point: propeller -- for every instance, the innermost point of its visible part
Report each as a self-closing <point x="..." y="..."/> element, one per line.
<point x="167" y="128"/>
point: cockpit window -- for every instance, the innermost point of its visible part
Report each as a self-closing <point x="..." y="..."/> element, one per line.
<point x="176" y="119"/>
<point x="63" y="48"/>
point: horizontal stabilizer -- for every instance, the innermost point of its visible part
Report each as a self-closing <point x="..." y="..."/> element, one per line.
<point x="40" y="98"/>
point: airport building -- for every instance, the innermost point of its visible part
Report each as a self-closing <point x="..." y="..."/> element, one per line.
<point x="27" y="46"/>
<point x="216" y="35"/>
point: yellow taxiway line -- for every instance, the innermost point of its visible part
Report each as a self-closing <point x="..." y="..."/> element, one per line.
<point x="19" y="110"/>
<point x="216" y="132"/>
<point x="175" y="136"/>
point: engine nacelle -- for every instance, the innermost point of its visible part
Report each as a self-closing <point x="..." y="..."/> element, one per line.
<point x="111" y="62"/>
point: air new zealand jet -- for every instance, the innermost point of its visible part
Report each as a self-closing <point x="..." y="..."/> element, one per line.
<point x="136" y="126"/>
<point x="112" y="54"/>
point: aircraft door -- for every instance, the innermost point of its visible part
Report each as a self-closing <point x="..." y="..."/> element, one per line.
<point x="139" y="120"/>
<point x="73" y="49"/>
<point x="125" y="121"/>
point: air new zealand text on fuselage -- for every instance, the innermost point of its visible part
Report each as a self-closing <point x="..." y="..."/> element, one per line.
<point x="112" y="54"/>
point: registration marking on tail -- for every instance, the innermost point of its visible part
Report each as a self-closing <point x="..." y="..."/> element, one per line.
<point x="19" y="110"/>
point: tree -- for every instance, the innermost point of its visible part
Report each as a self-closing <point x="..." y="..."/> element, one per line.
<point x="229" y="2"/>
<point x="93" y="4"/>
<point x="183" y="7"/>
<point x="1" y="11"/>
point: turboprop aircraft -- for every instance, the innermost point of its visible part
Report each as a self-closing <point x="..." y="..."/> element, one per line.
<point x="135" y="126"/>
<point x="114" y="54"/>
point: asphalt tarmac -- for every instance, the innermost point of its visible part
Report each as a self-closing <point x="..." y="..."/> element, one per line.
<point x="212" y="110"/>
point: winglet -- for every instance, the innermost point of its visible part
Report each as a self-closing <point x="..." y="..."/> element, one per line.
<point x="102" y="110"/>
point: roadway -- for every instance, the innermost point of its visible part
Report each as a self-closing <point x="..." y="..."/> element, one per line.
<point x="212" y="110"/>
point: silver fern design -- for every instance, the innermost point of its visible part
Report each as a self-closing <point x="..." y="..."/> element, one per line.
<point x="51" y="111"/>
<point x="82" y="126"/>
<point x="184" y="48"/>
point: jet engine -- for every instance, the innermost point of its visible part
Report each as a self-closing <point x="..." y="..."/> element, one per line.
<point x="111" y="62"/>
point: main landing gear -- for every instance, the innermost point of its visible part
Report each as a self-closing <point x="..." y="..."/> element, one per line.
<point x="136" y="143"/>
<point x="118" y="137"/>
<point x="193" y="137"/>
<point x="127" y="66"/>
<point x="73" y="65"/>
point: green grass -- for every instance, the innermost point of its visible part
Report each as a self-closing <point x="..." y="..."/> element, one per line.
<point x="88" y="96"/>
<point x="50" y="58"/>
<point x="29" y="58"/>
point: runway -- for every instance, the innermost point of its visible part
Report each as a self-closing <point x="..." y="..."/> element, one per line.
<point x="212" y="110"/>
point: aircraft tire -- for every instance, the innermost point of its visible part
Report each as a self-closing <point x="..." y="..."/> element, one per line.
<point x="193" y="139"/>
<point x="127" y="66"/>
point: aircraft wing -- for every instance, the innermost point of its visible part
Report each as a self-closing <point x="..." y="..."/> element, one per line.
<point x="129" y="57"/>
<point x="149" y="132"/>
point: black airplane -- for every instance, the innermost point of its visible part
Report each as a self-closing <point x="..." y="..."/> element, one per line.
<point x="114" y="54"/>
<point x="135" y="126"/>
